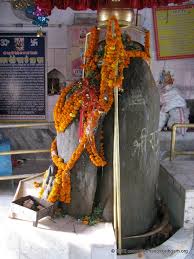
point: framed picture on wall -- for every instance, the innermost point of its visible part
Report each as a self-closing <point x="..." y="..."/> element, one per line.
<point x="174" y="35"/>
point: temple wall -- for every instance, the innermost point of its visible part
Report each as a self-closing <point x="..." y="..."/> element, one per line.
<point x="183" y="69"/>
<point x="59" y="47"/>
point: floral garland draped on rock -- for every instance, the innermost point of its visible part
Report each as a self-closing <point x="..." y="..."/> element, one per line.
<point x="90" y="98"/>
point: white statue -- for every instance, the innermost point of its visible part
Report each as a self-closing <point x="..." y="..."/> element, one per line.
<point x="173" y="108"/>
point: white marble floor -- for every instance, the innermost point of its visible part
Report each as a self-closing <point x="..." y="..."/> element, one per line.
<point x="74" y="238"/>
<point x="63" y="238"/>
<point x="191" y="254"/>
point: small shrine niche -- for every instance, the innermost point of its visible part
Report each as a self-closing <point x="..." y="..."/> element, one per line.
<point x="56" y="81"/>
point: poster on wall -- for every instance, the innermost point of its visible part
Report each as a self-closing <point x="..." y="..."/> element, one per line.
<point x="78" y="35"/>
<point x="76" y="62"/>
<point x="76" y="50"/>
<point x="22" y="77"/>
<point x="174" y="35"/>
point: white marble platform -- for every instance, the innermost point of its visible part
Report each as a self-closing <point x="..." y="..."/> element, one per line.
<point x="67" y="238"/>
<point x="63" y="238"/>
<point x="176" y="247"/>
<point x="176" y="187"/>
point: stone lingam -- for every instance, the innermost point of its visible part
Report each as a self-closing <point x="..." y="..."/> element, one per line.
<point x="139" y="153"/>
<point x="92" y="98"/>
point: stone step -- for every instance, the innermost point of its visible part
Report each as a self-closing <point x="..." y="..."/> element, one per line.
<point x="176" y="187"/>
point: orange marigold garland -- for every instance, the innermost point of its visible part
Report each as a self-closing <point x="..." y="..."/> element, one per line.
<point x="102" y="145"/>
<point x="96" y="158"/>
<point x="43" y="186"/>
<point x="113" y="64"/>
<point x="62" y="183"/>
<point x="140" y="54"/>
<point x="147" y="44"/>
<point x="91" y="58"/>
<point x="92" y="102"/>
<point x="66" y="110"/>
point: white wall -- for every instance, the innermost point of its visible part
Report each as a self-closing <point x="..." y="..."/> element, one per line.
<point x="183" y="69"/>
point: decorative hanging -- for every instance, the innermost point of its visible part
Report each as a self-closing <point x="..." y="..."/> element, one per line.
<point x="40" y="17"/>
<point x="32" y="11"/>
<point x="22" y="4"/>
<point x="29" y="11"/>
<point x="46" y="5"/>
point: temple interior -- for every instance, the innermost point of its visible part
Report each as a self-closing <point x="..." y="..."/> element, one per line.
<point x="96" y="129"/>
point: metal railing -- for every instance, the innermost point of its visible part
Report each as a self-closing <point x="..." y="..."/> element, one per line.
<point x="173" y="152"/>
<point x="17" y="152"/>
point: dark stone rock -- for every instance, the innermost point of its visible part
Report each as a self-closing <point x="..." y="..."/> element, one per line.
<point x="139" y="152"/>
<point x="105" y="179"/>
<point x="83" y="175"/>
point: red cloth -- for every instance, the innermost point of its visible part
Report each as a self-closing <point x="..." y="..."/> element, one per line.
<point x="48" y="5"/>
<point x="45" y="5"/>
<point x="140" y="4"/>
